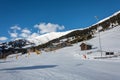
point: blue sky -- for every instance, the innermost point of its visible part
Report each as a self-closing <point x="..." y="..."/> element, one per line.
<point x="22" y="18"/>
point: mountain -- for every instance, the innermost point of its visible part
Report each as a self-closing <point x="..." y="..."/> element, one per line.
<point x="14" y="47"/>
<point x="109" y="41"/>
<point x="68" y="63"/>
<point x="105" y="24"/>
<point x="47" y="37"/>
<point x="57" y="40"/>
<point x="79" y="35"/>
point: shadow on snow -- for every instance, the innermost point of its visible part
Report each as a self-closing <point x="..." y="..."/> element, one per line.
<point x="4" y="61"/>
<point x="30" y="67"/>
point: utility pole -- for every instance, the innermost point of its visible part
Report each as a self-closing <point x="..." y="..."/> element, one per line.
<point x="99" y="36"/>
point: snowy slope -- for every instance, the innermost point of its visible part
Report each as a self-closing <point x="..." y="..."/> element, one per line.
<point x="66" y="63"/>
<point x="109" y="43"/>
<point x="59" y="65"/>
<point x="53" y="35"/>
<point x="109" y="39"/>
<point x="47" y="37"/>
<point x="116" y="13"/>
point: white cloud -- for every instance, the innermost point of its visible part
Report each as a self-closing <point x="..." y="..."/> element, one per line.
<point x="13" y="35"/>
<point x="17" y="32"/>
<point x="46" y="28"/>
<point x="61" y="28"/>
<point x="15" y="27"/>
<point x="25" y="33"/>
<point x="3" y="38"/>
<point x="34" y="35"/>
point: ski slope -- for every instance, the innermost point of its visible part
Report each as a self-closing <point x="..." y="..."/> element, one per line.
<point x="59" y="65"/>
<point x="67" y="63"/>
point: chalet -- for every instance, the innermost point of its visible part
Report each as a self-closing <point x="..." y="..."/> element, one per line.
<point x="85" y="46"/>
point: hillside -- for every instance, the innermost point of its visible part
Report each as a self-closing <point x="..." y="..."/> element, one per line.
<point x="79" y="34"/>
<point x="89" y="32"/>
<point x="67" y="63"/>
<point x="56" y="40"/>
<point x="46" y="37"/>
<point x="109" y="43"/>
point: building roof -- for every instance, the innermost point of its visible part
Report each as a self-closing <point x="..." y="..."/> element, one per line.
<point x="86" y="44"/>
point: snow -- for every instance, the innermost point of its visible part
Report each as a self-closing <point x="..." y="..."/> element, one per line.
<point x="109" y="43"/>
<point x="59" y="65"/>
<point x="67" y="63"/>
<point x="106" y="18"/>
<point x="109" y="39"/>
<point x="47" y="37"/>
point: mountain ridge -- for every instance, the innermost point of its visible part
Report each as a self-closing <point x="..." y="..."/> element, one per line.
<point x="56" y="40"/>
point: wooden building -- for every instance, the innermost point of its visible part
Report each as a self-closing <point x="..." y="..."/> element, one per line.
<point x="85" y="46"/>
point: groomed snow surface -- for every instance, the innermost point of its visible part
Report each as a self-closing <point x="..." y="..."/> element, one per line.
<point x="67" y="63"/>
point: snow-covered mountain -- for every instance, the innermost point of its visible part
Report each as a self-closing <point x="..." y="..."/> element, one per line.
<point x="109" y="43"/>
<point x="70" y="63"/>
<point x="89" y="32"/>
<point x="67" y="63"/>
<point x="107" y="18"/>
<point x="47" y="37"/>
<point x="72" y="36"/>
